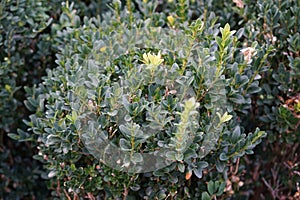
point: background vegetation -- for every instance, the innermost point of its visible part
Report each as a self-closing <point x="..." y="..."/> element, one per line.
<point x="41" y="42"/>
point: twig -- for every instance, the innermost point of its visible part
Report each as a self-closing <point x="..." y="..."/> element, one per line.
<point x="237" y="166"/>
<point x="91" y="196"/>
<point x="67" y="195"/>
<point x="273" y="191"/>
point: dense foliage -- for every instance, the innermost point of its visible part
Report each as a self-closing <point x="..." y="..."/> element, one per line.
<point x="199" y="83"/>
<point x="28" y="47"/>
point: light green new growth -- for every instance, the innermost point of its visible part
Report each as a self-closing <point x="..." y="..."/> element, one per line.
<point x="152" y="61"/>
<point x="181" y="136"/>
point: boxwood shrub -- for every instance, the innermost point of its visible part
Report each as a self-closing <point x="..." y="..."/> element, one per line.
<point x="276" y="106"/>
<point x="165" y="78"/>
<point x="28" y="31"/>
<point x="146" y="82"/>
<point x="273" y="171"/>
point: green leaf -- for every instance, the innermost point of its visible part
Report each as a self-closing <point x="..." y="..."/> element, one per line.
<point x="240" y="33"/>
<point x="136" y="158"/>
<point x="13" y="136"/>
<point x="200" y="166"/>
<point x="227" y="28"/>
<point x="125" y="130"/>
<point x="220" y="166"/>
<point x="217" y="55"/>
<point x="223" y="157"/>
<point x="237" y="98"/>
<point x="181" y="167"/>
<point x="221" y="189"/>
<point x="211" y="187"/>
<point x="241" y="80"/>
<point x="124" y="145"/>
<point x="161" y="195"/>
<point x="236" y="134"/>
<point x="179" y="156"/>
<point x="205" y="196"/>
<point x="171" y="155"/>
<point x="225" y="117"/>
<point x="219" y="42"/>
<point x="198" y="172"/>
<point x="173" y="179"/>
<point x="253" y="89"/>
<point x="190" y="153"/>
<point x="74" y="116"/>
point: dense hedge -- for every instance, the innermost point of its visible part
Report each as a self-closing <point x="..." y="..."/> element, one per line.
<point x="172" y="76"/>
<point x="29" y="30"/>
